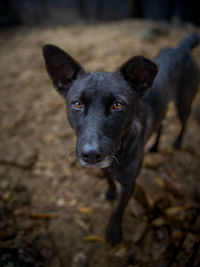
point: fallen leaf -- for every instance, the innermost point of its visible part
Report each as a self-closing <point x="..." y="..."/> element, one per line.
<point x="79" y="259"/>
<point x="159" y="181"/>
<point x="22" y="211"/>
<point x="82" y="224"/>
<point x="101" y="184"/>
<point x="140" y="230"/>
<point x="170" y="171"/>
<point x="150" y="200"/>
<point x="119" y="251"/>
<point x="136" y="208"/>
<point x="189" y="241"/>
<point x="154" y="161"/>
<point x="94" y="238"/>
<point x="169" y="150"/>
<point x="47" y="216"/>
<point x="72" y="202"/>
<point x="159" y="222"/>
<point x="48" y="138"/>
<point x="60" y="202"/>
<point x="85" y="210"/>
<point x="7" y="195"/>
<point x="174" y="210"/>
<point x="176" y="237"/>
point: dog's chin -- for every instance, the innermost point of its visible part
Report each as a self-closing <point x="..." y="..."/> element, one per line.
<point x="102" y="164"/>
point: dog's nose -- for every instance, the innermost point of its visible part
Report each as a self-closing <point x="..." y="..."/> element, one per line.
<point x="92" y="154"/>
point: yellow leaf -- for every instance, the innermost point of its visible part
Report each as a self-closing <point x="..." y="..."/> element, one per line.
<point x="85" y="210"/>
<point x="159" y="181"/>
<point x="94" y="238"/>
<point x="158" y="222"/>
<point x="154" y="161"/>
<point x="7" y="195"/>
<point x="149" y="199"/>
<point x="174" y="210"/>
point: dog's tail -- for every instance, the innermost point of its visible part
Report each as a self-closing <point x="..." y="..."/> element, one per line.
<point x="189" y="42"/>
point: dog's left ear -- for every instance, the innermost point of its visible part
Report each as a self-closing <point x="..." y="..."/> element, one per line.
<point x="139" y="72"/>
<point x="61" y="67"/>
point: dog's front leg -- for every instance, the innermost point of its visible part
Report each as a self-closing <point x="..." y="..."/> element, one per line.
<point x="111" y="192"/>
<point x="114" y="232"/>
<point x="126" y="178"/>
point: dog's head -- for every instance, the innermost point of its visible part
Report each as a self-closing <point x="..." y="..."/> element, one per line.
<point x="100" y="105"/>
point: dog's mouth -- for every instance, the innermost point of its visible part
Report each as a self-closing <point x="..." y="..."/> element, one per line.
<point x="95" y="155"/>
<point x="104" y="163"/>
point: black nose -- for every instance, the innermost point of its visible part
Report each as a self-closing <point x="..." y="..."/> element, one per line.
<point x="92" y="154"/>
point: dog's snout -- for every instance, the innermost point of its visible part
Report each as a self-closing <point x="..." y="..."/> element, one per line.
<point x="92" y="154"/>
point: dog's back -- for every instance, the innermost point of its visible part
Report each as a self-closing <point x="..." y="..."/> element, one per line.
<point x="177" y="80"/>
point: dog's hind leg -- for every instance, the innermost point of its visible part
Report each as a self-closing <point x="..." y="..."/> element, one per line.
<point x="183" y="105"/>
<point x="154" y="147"/>
<point x="177" y="143"/>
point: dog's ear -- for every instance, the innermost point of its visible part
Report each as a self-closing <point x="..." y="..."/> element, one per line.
<point x="61" y="67"/>
<point x="139" y="72"/>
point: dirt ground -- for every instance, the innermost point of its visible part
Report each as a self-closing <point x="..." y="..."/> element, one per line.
<point x="53" y="212"/>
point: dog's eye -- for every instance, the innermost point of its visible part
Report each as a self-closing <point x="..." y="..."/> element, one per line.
<point x="117" y="105"/>
<point x="77" y="105"/>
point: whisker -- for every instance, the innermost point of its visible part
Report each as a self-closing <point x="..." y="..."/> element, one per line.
<point x="72" y="158"/>
<point x="115" y="160"/>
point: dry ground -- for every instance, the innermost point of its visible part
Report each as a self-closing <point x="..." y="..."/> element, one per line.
<point x="53" y="212"/>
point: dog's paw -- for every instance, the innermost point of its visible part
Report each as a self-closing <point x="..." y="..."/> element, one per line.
<point x="111" y="194"/>
<point x="114" y="235"/>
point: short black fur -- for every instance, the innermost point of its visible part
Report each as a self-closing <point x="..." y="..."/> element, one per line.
<point x="114" y="113"/>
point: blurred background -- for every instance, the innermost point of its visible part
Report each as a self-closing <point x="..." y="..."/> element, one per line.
<point x="52" y="211"/>
<point x="15" y="12"/>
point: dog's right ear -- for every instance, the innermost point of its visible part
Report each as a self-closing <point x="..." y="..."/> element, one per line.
<point x="61" y="67"/>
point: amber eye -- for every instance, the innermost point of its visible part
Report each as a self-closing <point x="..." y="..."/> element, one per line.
<point x="77" y="105"/>
<point x="118" y="105"/>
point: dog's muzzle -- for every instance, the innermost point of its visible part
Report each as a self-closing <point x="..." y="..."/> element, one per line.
<point x="93" y="156"/>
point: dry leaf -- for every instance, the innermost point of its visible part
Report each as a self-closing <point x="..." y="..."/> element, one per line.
<point x="94" y="238"/>
<point x="82" y="224"/>
<point x="150" y="200"/>
<point x="85" y="210"/>
<point x="47" y="216"/>
<point x="176" y="237"/>
<point x="170" y="171"/>
<point x="140" y="230"/>
<point x="190" y="241"/>
<point x="159" y="181"/>
<point x="154" y="161"/>
<point x="119" y="251"/>
<point x="7" y="195"/>
<point x="48" y="138"/>
<point x="24" y="210"/>
<point x="174" y="210"/>
<point x="159" y="222"/>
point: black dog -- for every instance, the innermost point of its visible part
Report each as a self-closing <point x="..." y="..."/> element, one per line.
<point x="113" y="117"/>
